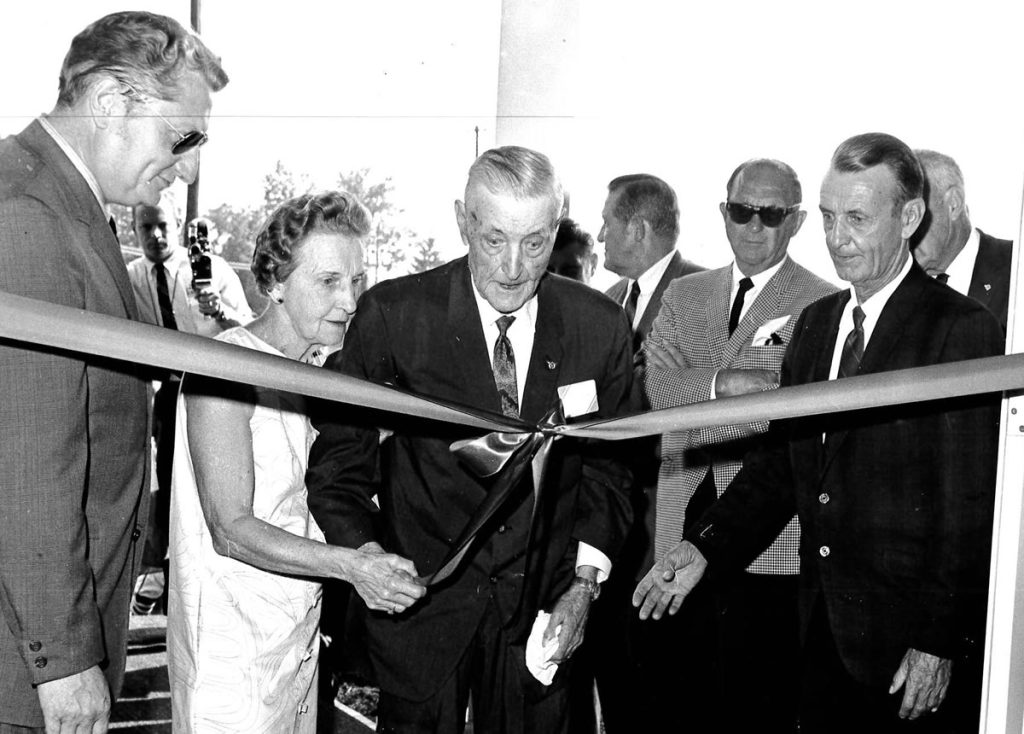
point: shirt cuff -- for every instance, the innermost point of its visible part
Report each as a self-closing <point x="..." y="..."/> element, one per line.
<point x="714" y="380"/>
<point x="588" y="555"/>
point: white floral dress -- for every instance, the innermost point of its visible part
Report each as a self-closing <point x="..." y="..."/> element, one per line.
<point x="243" y="643"/>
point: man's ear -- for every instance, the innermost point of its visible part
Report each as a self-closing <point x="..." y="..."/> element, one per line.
<point x="954" y="199"/>
<point x="638" y="228"/>
<point x="460" y="217"/>
<point x="911" y="217"/>
<point x="106" y="101"/>
<point x="798" y="221"/>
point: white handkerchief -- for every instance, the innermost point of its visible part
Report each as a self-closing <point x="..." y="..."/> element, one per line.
<point x="768" y="333"/>
<point x="538" y="655"/>
<point x="578" y="398"/>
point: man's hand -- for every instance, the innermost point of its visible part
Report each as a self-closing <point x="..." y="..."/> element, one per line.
<point x="743" y="382"/>
<point x="209" y="302"/>
<point x="571" y="613"/>
<point x="79" y="703"/>
<point x="669" y="581"/>
<point x="924" y="679"/>
<point x="664" y="358"/>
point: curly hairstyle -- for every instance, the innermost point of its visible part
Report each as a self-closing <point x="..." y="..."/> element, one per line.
<point x="148" y="51"/>
<point x="282" y="235"/>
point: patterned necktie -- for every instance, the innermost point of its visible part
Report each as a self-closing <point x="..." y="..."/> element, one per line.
<point x="853" y="349"/>
<point x="505" y="369"/>
<point x="737" y="306"/>
<point x="163" y="297"/>
<point x="942" y="278"/>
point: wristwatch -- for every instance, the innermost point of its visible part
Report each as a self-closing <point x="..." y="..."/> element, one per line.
<point x="593" y="588"/>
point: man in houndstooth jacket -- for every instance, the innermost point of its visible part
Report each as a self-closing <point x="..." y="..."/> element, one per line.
<point x="720" y="333"/>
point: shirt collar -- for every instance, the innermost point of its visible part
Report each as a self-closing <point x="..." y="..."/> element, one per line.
<point x="961" y="270"/>
<point x="175" y="260"/>
<point x="759" y="279"/>
<point x="876" y="303"/>
<point x="652" y="276"/>
<point x="76" y="160"/>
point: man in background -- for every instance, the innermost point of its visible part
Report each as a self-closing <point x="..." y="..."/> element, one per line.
<point x="573" y="255"/>
<point x="133" y="106"/>
<point x="169" y="295"/>
<point x="950" y="249"/>
<point x="721" y="333"/>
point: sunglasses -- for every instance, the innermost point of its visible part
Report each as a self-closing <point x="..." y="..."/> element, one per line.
<point x="186" y="141"/>
<point x="771" y="216"/>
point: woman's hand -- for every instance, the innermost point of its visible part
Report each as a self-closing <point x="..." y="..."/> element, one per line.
<point x="385" y="581"/>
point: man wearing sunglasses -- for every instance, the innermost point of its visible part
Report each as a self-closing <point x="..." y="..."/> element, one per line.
<point x="133" y="106"/>
<point x="895" y="503"/>
<point x="720" y="333"/>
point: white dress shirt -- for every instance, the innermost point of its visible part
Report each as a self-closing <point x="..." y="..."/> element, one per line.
<point x="961" y="270"/>
<point x="520" y="334"/>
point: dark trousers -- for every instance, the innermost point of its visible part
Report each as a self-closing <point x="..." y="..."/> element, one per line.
<point x="506" y="698"/>
<point x="833" y="702"/>
<point x="165" y="404"/>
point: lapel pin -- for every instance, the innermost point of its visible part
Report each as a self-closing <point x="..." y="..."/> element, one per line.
<point x="988" y="286"/>
<point x="551" y="364"/>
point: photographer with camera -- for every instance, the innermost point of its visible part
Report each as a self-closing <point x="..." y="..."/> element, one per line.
<point x="188" y="289"/>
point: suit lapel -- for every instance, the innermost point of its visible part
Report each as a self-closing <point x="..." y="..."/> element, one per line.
<point x="540" y="393"/>
<point x="981" y="279"/>
<point x="470" y="351"/>
<point x="716" y="312"/>
<point x="761" y="310"/>
<point x="83" y="206"/>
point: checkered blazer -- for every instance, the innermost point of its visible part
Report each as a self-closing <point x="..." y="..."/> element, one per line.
<point x="694" y="318"/>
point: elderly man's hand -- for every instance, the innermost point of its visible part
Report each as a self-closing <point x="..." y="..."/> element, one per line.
<point x="77" y="703"/>
<point x="669" y="581"/>
<point x="743" y="382"/>
<point x="924" y="679"/>
<point x="571" y="612"/>
<point x="385" y="581"/>
<point x="209" y="301"/>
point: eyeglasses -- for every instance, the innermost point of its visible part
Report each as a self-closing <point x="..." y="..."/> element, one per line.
<point x="186" y="141"/>
<point x="771" y="216"/>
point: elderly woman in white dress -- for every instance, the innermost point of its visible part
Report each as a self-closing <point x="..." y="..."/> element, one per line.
<point x="242" y="627"/>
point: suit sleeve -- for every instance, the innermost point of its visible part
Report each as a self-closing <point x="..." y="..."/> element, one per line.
<point x="232" y="295"/>
<point x="343" y="473"/>
<point x="962" y="510"/>
<point x="604" y="512"/>
<point x="673" y="387"/>
<point x="47" y="595"/>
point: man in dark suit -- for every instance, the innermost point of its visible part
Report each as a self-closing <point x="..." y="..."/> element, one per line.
<point x="492" y="331"/>
<point x="640" y="228"/>
<point x="895" y="504"/>
<point x="721" y="333"/>
<point x="949" y="248"/>
<point x="74" y="445"/>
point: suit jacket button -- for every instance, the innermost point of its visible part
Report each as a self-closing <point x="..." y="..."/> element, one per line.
<point x="494" y="579"/>
<point x="35" y="646"/>
<point x="823" y="498"/>
<point x="40" y="662"/>
<point x="502" y="529"/>
<point x="824" y="551"/>
<point x="136" y="534"/>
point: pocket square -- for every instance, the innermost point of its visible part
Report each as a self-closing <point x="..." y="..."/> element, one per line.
<point x="768" y="333"/>
<point x="579" y="398"/>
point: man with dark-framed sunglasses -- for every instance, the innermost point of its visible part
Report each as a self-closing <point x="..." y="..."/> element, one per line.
<point x="720" y="333"/>
<point x="74" y="445"/>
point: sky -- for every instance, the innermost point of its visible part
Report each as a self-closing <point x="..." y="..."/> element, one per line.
<point x="684" y="91"/>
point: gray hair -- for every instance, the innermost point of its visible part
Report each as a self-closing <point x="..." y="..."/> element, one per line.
<point x="873" y="149"/>
<point x="149" y="52"/>
<point x="522" y="172"/>
<point x="940" y="171"/>
<point x="649" y="198"/>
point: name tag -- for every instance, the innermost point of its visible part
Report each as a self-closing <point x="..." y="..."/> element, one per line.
<point x="578" y="399"/>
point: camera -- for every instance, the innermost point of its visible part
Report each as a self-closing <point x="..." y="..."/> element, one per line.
<point x="199" y="255"/>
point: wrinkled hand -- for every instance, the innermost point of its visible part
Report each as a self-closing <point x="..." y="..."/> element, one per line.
<point x="669" y="581"/>
<point x="385" y="581"/>
<point x="209" y="301"/>
<point x="743" y="382"/>
<point x="571" y="613"/>
<point x="925" y="680"/>
<point x="664" y="358"/>
<point x="78" y="703"/>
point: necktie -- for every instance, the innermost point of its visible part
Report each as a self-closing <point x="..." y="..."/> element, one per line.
<point x="737" y="306"/>
<point x="853" y="349"/>
<point x="942" y="277"/>
<point x="163" y="297"/>
<point x="113" y="228"/>
<point x="631" y="303"/>
<point x="505" y="369"/>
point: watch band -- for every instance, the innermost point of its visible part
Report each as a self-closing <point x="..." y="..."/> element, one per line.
<point x="593" y="588"/>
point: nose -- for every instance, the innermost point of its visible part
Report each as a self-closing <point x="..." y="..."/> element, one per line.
<point x="346" y="300"/>
<point x="755" y="222"/>
<point x="600" y="234"/>
<point x="838" y="234"/>
<point x="512" y="261"/>
<point x="187" y="166"/>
